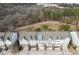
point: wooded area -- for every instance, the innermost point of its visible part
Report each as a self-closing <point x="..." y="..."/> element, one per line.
<point x="18" y="15"/>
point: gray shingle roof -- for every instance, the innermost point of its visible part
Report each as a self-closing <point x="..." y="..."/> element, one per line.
<point x="46" y="35"/>
<point x="7" y="35"/>
<point x="10" y="36"/>
<point x="2" y="34"/>
<point x="27" y="35"/>
<point x="78" y="34"/>
<point x="62" y="35"/>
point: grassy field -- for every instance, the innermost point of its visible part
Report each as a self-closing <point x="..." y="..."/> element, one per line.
<point x="54" y="25"/>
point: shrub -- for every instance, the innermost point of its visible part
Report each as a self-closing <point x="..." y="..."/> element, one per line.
<point x="37" y="29"/>
<point x="50" y="29"/>
<point x="77" y="28"/>
<point x="68" y="21"/>
<point x="64" y="28"/>
<point x="44" y="27"/>
<point x="71" y="44"/>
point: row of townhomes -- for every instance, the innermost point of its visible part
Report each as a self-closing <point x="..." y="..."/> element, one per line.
<point x="50" y="42"/>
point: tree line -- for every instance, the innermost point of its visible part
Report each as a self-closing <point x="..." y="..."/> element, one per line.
<point x="16" y="15"/>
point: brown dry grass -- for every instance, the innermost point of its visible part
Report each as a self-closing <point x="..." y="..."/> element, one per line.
<point x="54" y="25"/>
<point x="72" y="50"/>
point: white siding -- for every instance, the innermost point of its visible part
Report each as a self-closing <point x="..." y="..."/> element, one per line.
<point x="75" y="38"/>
